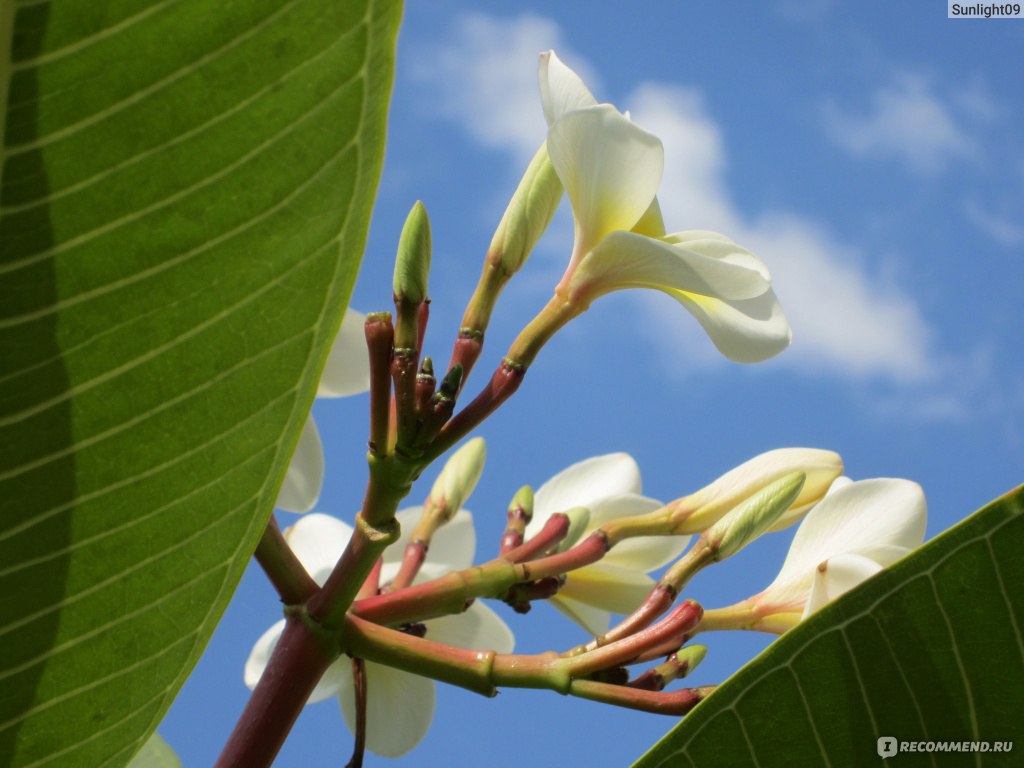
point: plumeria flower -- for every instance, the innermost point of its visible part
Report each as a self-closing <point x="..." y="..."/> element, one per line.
<point x="400" y="705"/>
<point x="346" y="372"/>
<point x="609" y="488"/>
<point x="856" y="531"/>
<point x="611" y="169"/>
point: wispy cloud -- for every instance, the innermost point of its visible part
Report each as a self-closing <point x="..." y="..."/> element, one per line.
<point x="907" y="121"/>
<point x="847" y="318"/>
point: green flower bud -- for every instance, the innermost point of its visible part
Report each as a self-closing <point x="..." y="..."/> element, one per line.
<point x="754" y="516"/>
<point x="528" y="214"/>
<point x="412" y="265"/>
<point x="459" y="477"/>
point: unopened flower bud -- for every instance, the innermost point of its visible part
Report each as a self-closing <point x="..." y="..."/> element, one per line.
<point x="754" y="516"/>
<point x="700" y="510"/>
<point x="528" y="214"/>
<point x="459" y="476"/>
<point x="412" y="265"/>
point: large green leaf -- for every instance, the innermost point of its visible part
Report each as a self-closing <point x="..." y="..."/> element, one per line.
<point x="185" y="196"/>
<point x="930" y="650"/>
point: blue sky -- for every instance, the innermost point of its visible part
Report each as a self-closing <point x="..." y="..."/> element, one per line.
<point x="867" y="152"/>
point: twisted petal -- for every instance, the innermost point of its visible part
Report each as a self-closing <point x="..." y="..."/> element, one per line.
<point x="561" y="89"/>
<point x="879" y="520"/>
<point x="610" y="169"/>
<point x="399" y="708"/>
<point x="451" y="549"/>
<point x="305" y="475"/>
<point x="609" y="587"/>
<point x="259" y="657"/>
<point x="318" y="541"/>
<point x="347" y="370"/>
<point x="724" y="286"/>
<point x="478" y="629"/>
<point x="584" y="484"/>
<point x="869" y="518"/>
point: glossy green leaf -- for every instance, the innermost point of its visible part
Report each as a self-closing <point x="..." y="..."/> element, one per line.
<point x="186" y="190"/>
<point x="931" y="649"/>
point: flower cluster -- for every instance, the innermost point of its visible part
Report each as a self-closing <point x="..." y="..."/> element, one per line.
<point x="588" y="540"/>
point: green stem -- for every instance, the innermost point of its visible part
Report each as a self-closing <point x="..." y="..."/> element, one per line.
<point x="294" y="585"/>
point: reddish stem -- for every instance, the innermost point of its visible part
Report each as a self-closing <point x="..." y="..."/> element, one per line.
<point x="295" y="667"/>
<point x="412" y="559"/>
<point x="501" y="387"/>
<point x="676" y="703"/>
<point x="554" y="530"/>
<point x="380" y="336"/>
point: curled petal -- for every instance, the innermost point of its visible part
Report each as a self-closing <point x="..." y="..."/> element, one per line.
<point x="867" y="517"/>
<point x="593" y="620"/>
<point x="707" y="267"/>
<point x="399" y="708"/>
<point x="260" y="656"/>
<point x="347" y="370"/>
<point x="747" y="331"/>
<point x="318" y="541"/>
<point x="837" y="576"/>
<point x="610" y="169"/>
<point x="305" y="475"/>
<point x="583" y="484"/>
<point x="609" y="587"/>
<point x="478" y="629"/>
<point x="561" y="89"/>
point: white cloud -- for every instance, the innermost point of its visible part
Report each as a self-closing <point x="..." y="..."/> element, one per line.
<point x="846" y="318"/>
<point x="486" y="77"/>
<point x="905" y="121"/>
<point x="1004" y="230"/>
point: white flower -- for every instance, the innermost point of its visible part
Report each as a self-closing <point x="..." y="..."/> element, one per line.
<point x="346" y="372"/>
<point x="611" y="169"/>
<point x="400" y="705"/>
<point x="609" y="488"/>
<point x="855" y="531"/>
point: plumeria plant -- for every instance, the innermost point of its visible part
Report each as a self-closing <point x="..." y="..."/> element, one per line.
<point x="379" y="607"/>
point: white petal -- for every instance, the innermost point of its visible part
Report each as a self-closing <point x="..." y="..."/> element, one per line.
<point x="584" y="484"/>
<point x="610" y="169"/>
<point x="347" y="370"/>
<point x="594" y="620"/>
<point x="260" y="656"/>
<point x="318" y="541"/>
<point x="451" y="549"/>
<point x="860" y="517"/>
<point x="703" y="241"/>
<point x="478" y="629"/>
<point x="747" y="331"/>
<point x="628" y="260"/>
<point x="305" y="475"/>
<point x="612" y="588"/>
<point x="837" y="576"/>
<point x="651" y="223"/>
<point x="399" y="708"/>
<point x="561" y="89"/>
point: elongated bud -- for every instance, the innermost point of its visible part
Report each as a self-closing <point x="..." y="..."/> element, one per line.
<point x="700" y="510"/>
<point x="459" y="476"/>
<point x="754" y="516"/>
<point x="528" y="214"/>
<point x="412" y="265"/>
